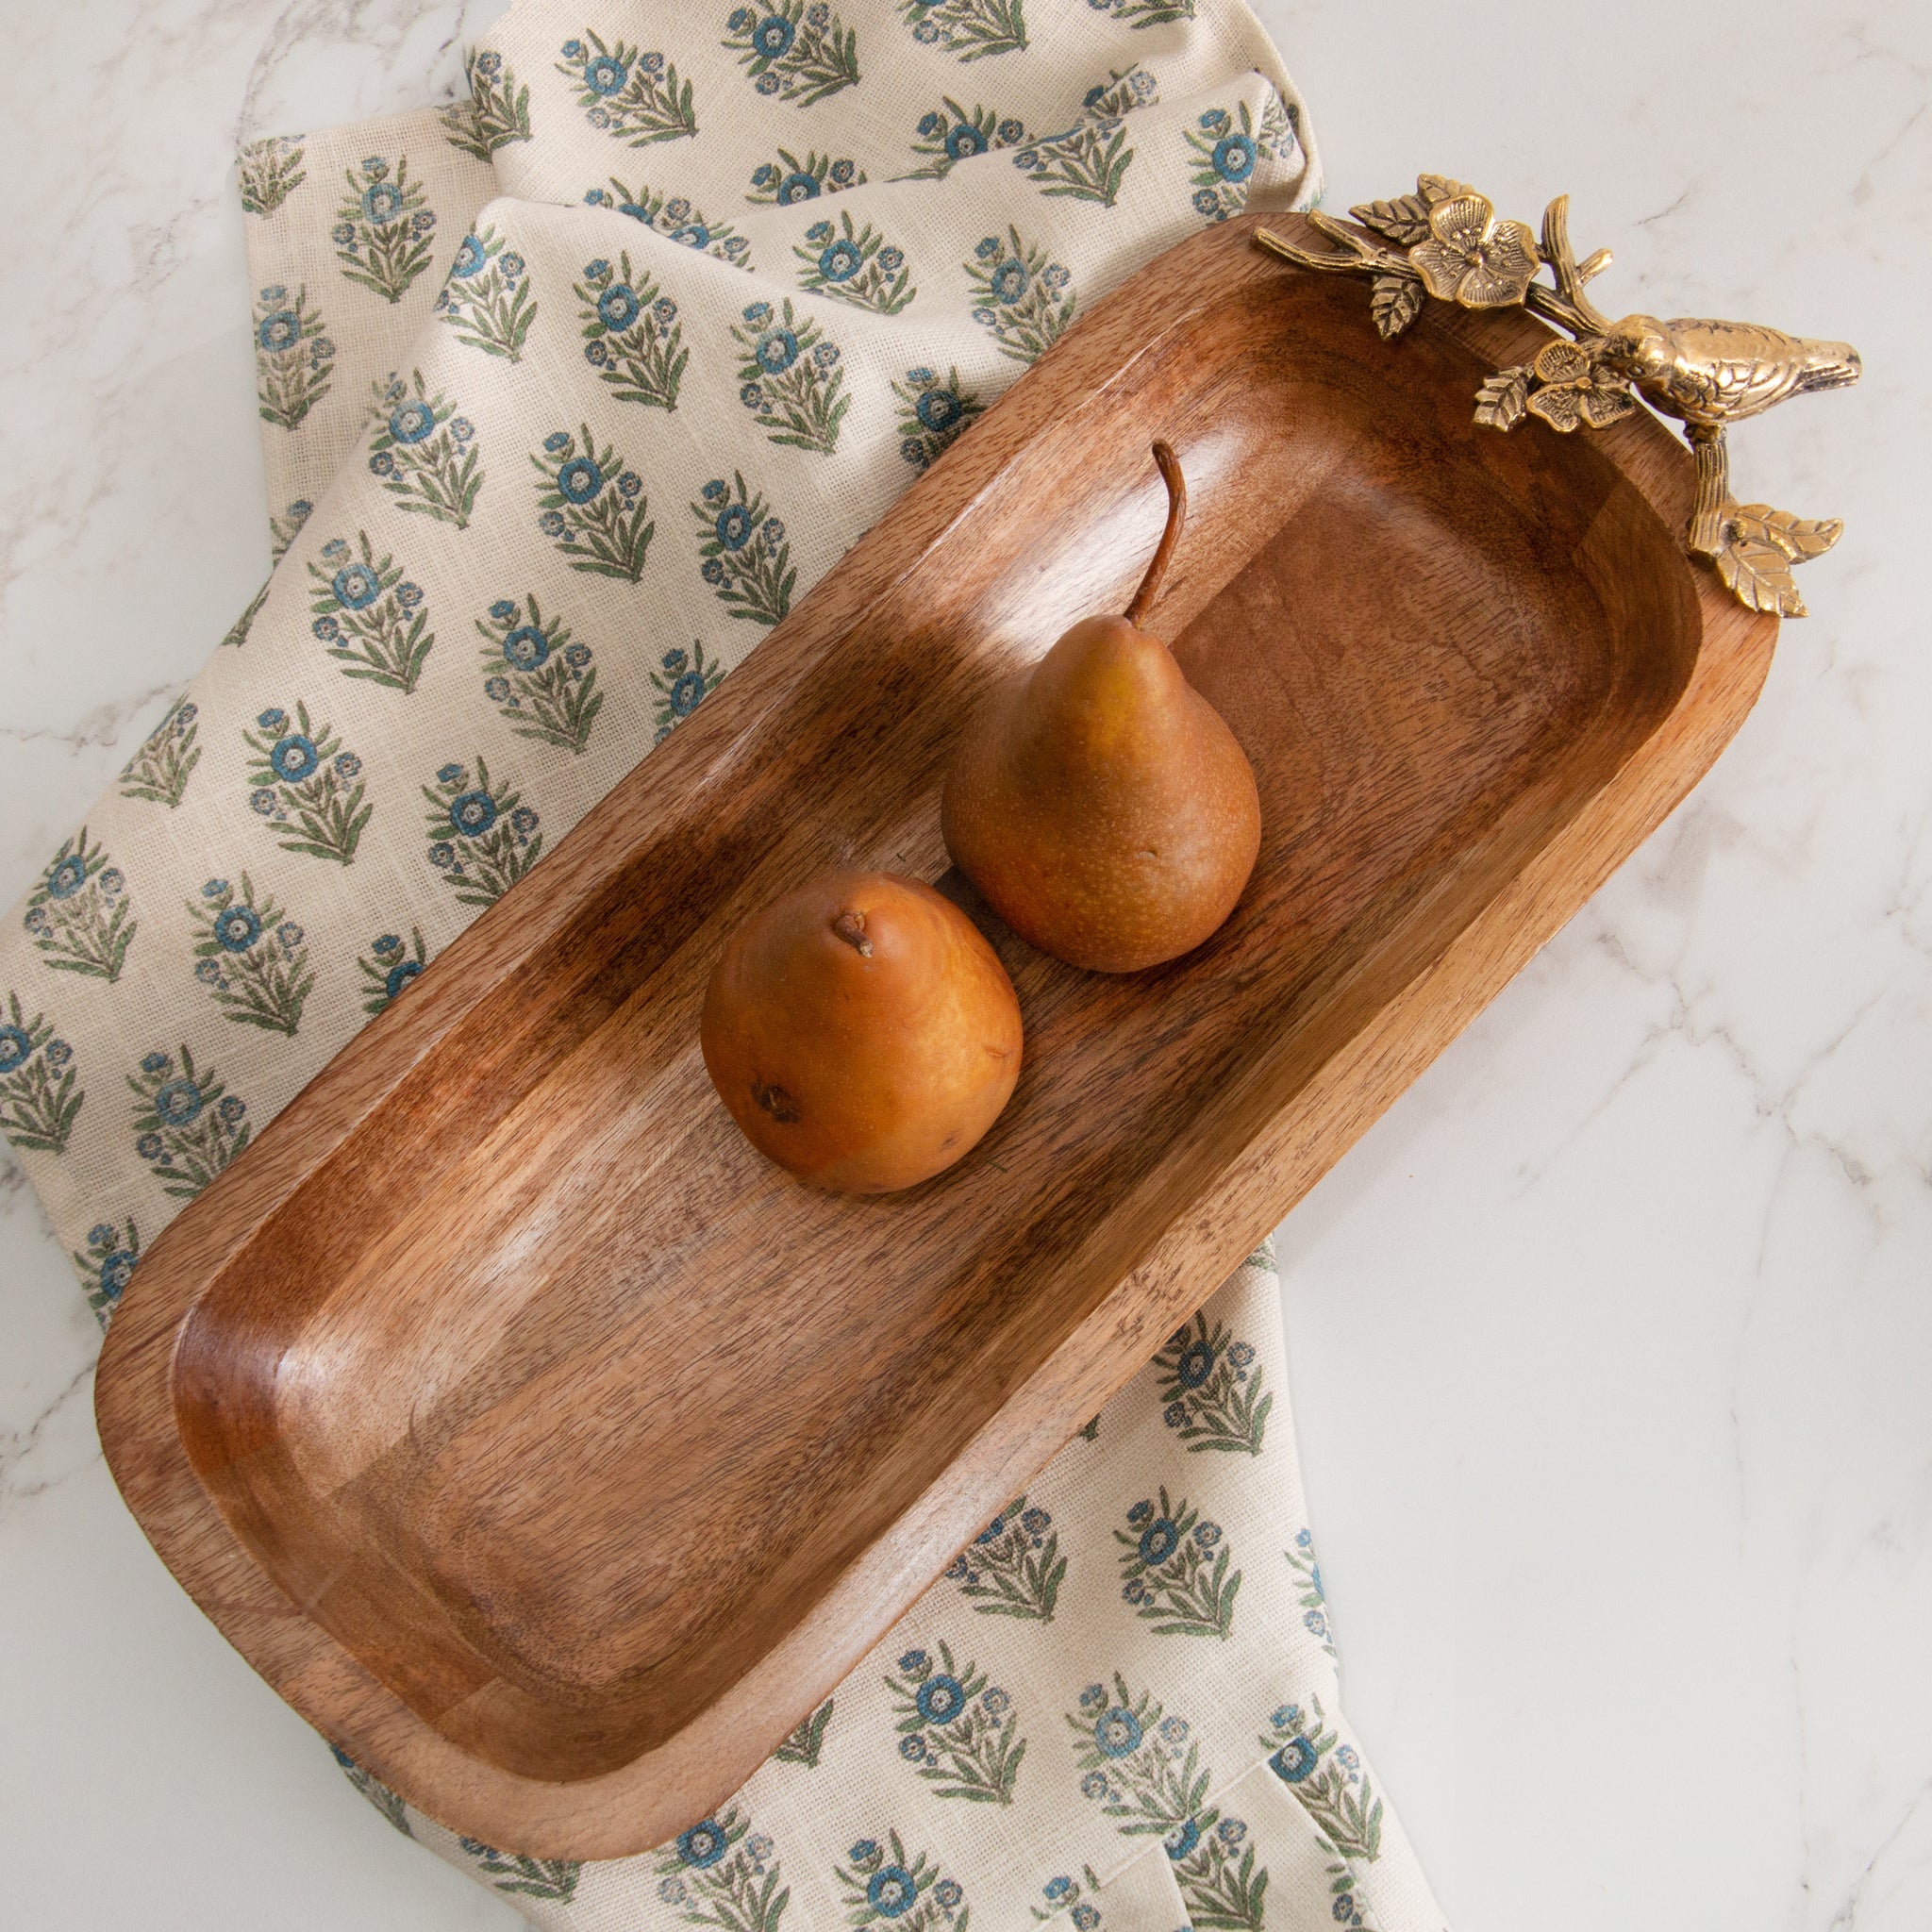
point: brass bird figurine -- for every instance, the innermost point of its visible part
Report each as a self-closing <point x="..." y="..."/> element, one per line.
<point x="1444" y="240"/>
<point x="1710" y="374"/>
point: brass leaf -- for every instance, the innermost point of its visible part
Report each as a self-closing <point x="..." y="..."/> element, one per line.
<point x="1435" y="188"/>
<point x="1799" y="538"/>
<point x="1759" y="575"/>
<point x="1394" y="302"/>
<point x="1405" y="220"/>
<point x="1500" y="402"/>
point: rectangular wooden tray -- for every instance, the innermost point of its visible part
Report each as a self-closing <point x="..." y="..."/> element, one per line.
<point x="555" y="1455"/>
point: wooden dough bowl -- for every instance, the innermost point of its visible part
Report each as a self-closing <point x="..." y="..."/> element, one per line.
<point x="553" y="1452"/>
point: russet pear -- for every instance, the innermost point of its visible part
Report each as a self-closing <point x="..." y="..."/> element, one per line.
<point x="1101" y="804"/>
<point x="861" y="1031"/>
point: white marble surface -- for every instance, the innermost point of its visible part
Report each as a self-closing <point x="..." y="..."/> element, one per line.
<point x="1613" y="1342"/>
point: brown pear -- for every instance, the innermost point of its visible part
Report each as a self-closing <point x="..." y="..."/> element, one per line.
<point x="1100" y="803"/>
<point x="861" y="1031"/>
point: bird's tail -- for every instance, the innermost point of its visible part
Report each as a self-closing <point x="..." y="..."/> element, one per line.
<point x="1828" y="365"/>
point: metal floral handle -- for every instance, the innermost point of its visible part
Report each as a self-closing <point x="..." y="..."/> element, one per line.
<point x="1444" y="240"/>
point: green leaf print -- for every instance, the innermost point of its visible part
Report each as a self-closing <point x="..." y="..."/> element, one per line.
<point x="80" y="915"/>
<point x="39" y="1101"/>
<point x="1014" y="1567"/>
<point x="956" y="1730"/>
<point x="1174" y="1569"/>
<point x="1211" y="1390"/>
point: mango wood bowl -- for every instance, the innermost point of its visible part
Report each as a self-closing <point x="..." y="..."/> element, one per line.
<point x="554" y="1454"/>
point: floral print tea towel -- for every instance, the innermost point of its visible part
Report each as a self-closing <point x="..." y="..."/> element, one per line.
<point x="568" y="391"/>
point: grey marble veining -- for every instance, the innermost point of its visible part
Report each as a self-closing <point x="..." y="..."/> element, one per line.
<point x="1613" y="1341"/>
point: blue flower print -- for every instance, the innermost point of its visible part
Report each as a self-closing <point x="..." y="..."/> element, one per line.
<point x="1118" y="1733"/>
<point x="933" y="411"/>
<point x="1094" y="1785"/>
<point x="703" y="1845"/>
<point x="237" y="928"/>
<point x="630" y="96"/>
<point x="450" y="775"/>
<point x="963" y="1737"/>
<point x="278" y="330"/>
<point x="939" y="410"/>
<point x="294" y="758"/>
<point x="1230" y="1831"/>
<point x="155" y="1063"/>
<point x="1234" y="157"/>
<point x="177" y="1102"/>
<point x="892" y="1891"/>
<point x="687" y="693"/>
<point x="1086" y="1917"/>
<point x="618" y="307"/>
<point x="1212" y="1389"/>
<point x="480" y="836"/>
<point x="356" y="586"/>
<point x="473" y="813"/>
<point x="1294" y="1761"/>
<point x="272" y="720"/>
<point x="15" y="1045"/>
<point x="913" y="1660"/>
<point x="67" y="877"/>
<point x="840" y="261"/>
<point x="963" y="141"/>
<point x="947" y="1893"/>
<point x="1226" y="154"/>
<point x="116" y="1272"/>
<point x="1056" y="1888"/>
<point x="941" y="1699"/>
<point x="796" y="187"/>
<point x="777" y="351"/>
<point x="1021" y="296"/>
<point x="1182" y="1838"/>
<point x="525" y="647"/>
<point x="410" y="421"/>
<point x="381" y="202"/>
<point x="773" y="37"/>
<point x="1159" y="1540"/>
<point x="579" y="481"/>
<point x="734" y="525"/>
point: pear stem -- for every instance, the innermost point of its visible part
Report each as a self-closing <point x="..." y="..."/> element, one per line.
<point x="1170" y="466"/>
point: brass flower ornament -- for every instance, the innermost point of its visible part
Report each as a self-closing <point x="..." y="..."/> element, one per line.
<point x="1571" y="387"/>
<point x="1471" y="257"/>
<point x="1444" y="240"/>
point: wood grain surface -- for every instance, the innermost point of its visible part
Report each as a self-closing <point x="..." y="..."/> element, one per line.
<point x="555" y="1454"/>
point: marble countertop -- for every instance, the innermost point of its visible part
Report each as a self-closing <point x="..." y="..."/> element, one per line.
<point x="1613" y="1341"/>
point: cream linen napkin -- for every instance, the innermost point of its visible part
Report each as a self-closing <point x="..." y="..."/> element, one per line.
<point x="568" y="392"/>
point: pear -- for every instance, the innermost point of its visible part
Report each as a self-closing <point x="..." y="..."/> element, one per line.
<point x="861" y="1032"/>
<point x="1101" y="804"/>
